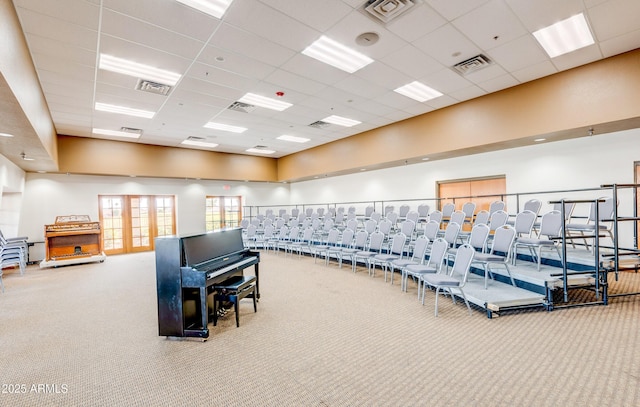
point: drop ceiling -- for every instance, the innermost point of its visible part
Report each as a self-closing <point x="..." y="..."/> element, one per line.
<point x="257" y="47"/>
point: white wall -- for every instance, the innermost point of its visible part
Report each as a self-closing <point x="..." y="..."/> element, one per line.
<point x="50" y="195"/>
<point x="11" y="188"/>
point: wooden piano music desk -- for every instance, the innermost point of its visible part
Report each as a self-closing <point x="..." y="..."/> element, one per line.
<point x="73" y="239"/>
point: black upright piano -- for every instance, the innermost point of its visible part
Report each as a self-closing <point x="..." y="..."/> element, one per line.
<point x="187" y="268"/>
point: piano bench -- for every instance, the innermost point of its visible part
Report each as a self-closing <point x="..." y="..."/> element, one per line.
<point x="233" y="290"/>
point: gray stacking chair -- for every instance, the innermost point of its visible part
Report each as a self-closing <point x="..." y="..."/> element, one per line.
<point x="359" y="244"/>
<point x="433" y="265"/>
<point x="477" y="240"/>
<point x="602" y="224"/>
<point x="417" y="256"/>
<point x="376" y="240"/>
<point x="396" y="251"/>
<point x="331" y="244"/>
<point x="550" y="227"/>
<point x="455" y="280"/>
<point x="500" y="252"/>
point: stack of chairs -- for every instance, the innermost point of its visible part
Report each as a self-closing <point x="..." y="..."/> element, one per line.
<point x="13" y="253"/>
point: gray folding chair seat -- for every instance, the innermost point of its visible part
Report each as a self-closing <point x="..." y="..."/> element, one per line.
<point x="433" y="265"/>
<point x="455" y="280"/>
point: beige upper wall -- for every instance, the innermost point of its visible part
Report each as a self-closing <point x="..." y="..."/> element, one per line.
<point x="560" y="106"/>
<point x="79" y="155"/>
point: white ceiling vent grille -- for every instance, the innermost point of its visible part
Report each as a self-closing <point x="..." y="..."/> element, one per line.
<point x="131" y="130"/>
<point x="387" y="10"/>
<point x="319" y="124"/>
<point x="473" y="64"/>
<point x="153" y="87"/>
<point x="241" y="107"/>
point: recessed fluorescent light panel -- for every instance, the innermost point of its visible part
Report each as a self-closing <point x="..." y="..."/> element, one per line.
<point x="225" y="127"/>
<point x="259" y="151"/>
<point x="116" y="133"/>
<point x="337" y="55"/>
<point x="215" y="8"/>
<point x="264" y="101"/>
<point x="418" y="91"/>
<point x="6" y="135"/>
<point x="199" y="143"/>
<point x="340" y="121"/>
<point x="104" y="107"/>
<point x="126" y="67"/>
<point x="293" y="139"/>
<point x="565" y="36"/>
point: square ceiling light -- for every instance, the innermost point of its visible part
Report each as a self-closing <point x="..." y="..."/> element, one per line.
<point x="293" y="139"/>
<point x="225" y="127"/>
<point x="418" y="91"/>
<point x="565" y="36"/>
<point x="263" y="101"/>
<point x="337" y="55"/>
<point x="340" y="121"/>
<point x="105" y="107"/>
<point x="215" y="8"/>
<point x="137" y="70"/>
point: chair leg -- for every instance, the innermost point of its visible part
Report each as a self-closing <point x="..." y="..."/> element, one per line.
<point x="436" y="308"/>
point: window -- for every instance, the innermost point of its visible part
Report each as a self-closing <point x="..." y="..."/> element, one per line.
<point x="222" y="212"/>
<point x="131" y="222"/>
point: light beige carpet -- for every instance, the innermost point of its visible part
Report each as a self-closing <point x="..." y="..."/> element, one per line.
<point x="323" y="336"/>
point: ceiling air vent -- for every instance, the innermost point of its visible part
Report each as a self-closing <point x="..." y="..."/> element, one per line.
<point x="319" y="124"/>
<point x="241" y="107"/>
<point x="387" y="10"/>
<point x="473" y="64"/>
<point x="153" y="87"/>
<point x="131" y="130"/>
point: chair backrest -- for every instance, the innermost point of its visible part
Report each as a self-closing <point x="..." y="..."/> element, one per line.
<point x="497" y="219"/>
<point x="392" y="216"/>
<point x="524" y="223"/>
<point x="413" y="216"/>
<point x="368" y="211"/>
<point x="482" y="218"/>
<point x="420" y="249"/>
<point x="397" y="243"/>
<point x="436" y="216"/>
<point x="351" y="215"/>
<point x="503" y="240"/>
<point x="532" y="205"/>
<point x="605" y="210"/>
<point x="496" y="206"/>
<point x="431" y="230"/>
<point x="385" y="226"/>
<point x="316" y="224"/>
<point x="251" y="230"/>
<point x="267" y="222"/>
<point x="568" y="209"/>
<point x="438" y="252"/>
<point x="352" y="224"/>
<point x="244" y="223"/>
<point x="551" y="224"/>
<point x="346" y="239"/>
<point x="320" y="212"/>
<point x="269" y="231"/>
<point x="447" y="209"/>
<point x="478" y="236"/>
<point x="295" y="212"/>
<point x="306" y="223"/>
<point x="370" y="226"/>
<point x="333" y="236"/>
<point x="308" y="212"/>
<point x="376" y="240"/>
<point x="280" y="222"/>
<point x="283" y="232"/>
<point x="307" y="235"/>
<point x="360" y="241"/>
<point x="352" y="209"/>
<point x="255" y="222"/>
<point x="388" y="208"/>
<point x="281" y="212"/>
<point x="376" y="216"/>
<point x="423" y="210"/>
<point x="462" y="263"/>
<point x="458" y="217"/>
<point x="328" y="224"/>
<point x="469" y="209"/>
<point x="294" y="233"/>
<point x="404" y="209"/>
<point x="451" y="233"/>
<point x="407" y="227"/>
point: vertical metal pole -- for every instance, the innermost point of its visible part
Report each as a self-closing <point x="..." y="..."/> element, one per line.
<point x="564" y="253"/>
<point x="596" y="248"/>
<point x="616" y="257"/>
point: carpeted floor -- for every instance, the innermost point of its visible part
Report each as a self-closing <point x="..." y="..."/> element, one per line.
<point x="87" y="336"/>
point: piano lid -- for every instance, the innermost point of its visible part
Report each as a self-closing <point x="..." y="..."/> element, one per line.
<point x="200" y="249"/>
<point x="73" y="219"/>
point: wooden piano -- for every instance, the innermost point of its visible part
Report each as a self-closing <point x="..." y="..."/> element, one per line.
<point x="187" y="268"/>
<point x="72" y="239"/>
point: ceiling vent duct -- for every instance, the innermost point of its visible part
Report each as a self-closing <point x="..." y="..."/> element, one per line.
<point x="388" y="10"/>
<point x="241" y="107"/>
<point x="473" y="64"/>
<point x="319" y="124"/>
<point x="153" y="87"/>
<point x="131" y="130"/>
